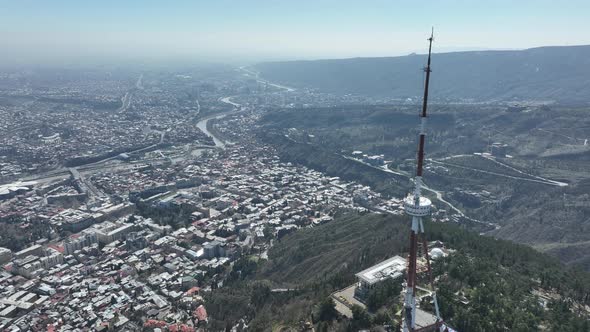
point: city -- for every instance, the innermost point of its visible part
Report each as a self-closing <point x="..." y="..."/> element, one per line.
<point x="294" y="166"/>
<point x="91" y="237"/>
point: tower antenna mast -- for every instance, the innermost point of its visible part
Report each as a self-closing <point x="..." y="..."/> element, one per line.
<point x="418" y="207"/>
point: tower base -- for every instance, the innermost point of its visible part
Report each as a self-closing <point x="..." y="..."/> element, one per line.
<point x="425" y="322"/>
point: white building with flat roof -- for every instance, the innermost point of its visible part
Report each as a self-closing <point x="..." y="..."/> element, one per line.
<point x="108" y="232"/>
<point x="391" y="268"/>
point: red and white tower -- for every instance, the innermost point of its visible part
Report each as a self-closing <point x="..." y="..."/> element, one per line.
<point x="418" y="207"/>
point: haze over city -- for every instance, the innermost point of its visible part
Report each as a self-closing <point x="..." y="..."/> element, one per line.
<point x="74" y="32"/>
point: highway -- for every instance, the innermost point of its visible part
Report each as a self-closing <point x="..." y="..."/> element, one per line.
<point x="227" y="100"/>
<point x="138" y="84"/>
<point x="437" y="193"/>
<point x="536" y="180"/>
<point x="259" y="80"/>
<point x="63" y="172"/>
<point x="542" y="179"/>
<point x="439" y="197"/>
<point x="384" y="168"/>
<point x="125" y="102"/>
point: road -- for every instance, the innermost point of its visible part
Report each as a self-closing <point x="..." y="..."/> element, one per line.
<point x="494" y="160"/>
<point x="88" y="186"/>
<point x="227" y="100"/>
<point x="138" y="84"/>
<point x="289" y="89"/>
<point x="536" y="179"/>
<point x="259" y="80"/>
<point x="439" y="197"/>
<point x="384" y="168"/>
<point x="63" y="172"/>
<point x="544" y="180"/>
<point x="438" y="194"/>
<point x="125" y="102"/>
<point x="283" y="290"/>
<point x="576" y="140"/>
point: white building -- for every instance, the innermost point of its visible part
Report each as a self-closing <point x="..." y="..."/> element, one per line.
<point x="108" y="232"/>
<point x="391" y="268"/>
<point x="79" y="241"/>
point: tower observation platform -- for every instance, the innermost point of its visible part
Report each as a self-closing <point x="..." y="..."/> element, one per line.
<point x="417" y="209"/>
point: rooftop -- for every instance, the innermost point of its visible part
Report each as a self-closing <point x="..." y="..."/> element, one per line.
<point x="390" y="268"/>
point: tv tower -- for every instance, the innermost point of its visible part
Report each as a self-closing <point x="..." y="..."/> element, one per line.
<point x="418" y="207"/>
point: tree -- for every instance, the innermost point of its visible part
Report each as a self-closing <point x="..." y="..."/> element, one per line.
<point x="383" y="317"/>
<point x="382" y="293"/>
<point x="360" y="317"/>
<point x="260" y="294"/>
<point x="327" y="310"/>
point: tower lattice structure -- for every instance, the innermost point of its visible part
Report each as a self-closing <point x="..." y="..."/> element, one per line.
<point x="419" y="207"/>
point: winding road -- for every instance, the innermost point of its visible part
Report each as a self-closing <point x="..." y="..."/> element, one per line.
<point x="259" y="80"/>
<point x="529" y="177"/>
<point x="125" y="102"/>
<point x="437" y="193"/>
<point x="541" y="179"/>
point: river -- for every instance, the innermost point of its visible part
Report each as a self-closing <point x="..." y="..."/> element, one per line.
<point x="202" y="124"/>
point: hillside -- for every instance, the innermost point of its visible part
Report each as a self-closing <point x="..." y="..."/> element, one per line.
<point x="545" y="73"/>
<point x="555" y="219"/>
<point x="491" y="273"/>
<point x="335" y="164"/>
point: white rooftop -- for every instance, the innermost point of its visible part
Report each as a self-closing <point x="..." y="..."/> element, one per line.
<point x="390" y="268"/>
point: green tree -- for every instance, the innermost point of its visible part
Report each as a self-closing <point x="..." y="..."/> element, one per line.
<point x="260" y="294"/>
<point x="383" y="293"/>
<point x="383" y="317"/>
<point x="360" y="317"/>
<point x="327" y="310"/>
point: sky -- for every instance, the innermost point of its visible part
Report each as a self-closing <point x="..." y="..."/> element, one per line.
<point x="260" y="30"/>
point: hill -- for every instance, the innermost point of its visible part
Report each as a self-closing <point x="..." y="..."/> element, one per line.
<point x="501" y="280"/>
<point x="545" y="73"/>
<point x="555" y="219"/>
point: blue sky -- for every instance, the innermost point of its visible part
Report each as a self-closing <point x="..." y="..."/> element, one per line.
<point x="295" y="29"/>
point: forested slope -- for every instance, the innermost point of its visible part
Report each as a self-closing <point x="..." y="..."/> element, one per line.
<point x="496" y="277"/>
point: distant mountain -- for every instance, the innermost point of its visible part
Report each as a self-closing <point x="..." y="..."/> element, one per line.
<point x="544" y="73"/>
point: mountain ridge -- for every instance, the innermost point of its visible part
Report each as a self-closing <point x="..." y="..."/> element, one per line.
<point x="548" y="73"/>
